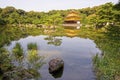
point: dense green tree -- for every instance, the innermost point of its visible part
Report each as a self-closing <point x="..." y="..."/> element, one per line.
<point x="2" y="22"/>
<point x="97" y="15"/>
<point x="83" y="19"/>
<point x="6" y="11"/>
<point x="13" y="18"/>
<point x="117" y="12"/>
<point x="106" y="13"/>
<point x="117" y="6"/>
<point x="92" y="19"/>
<point x="21" y="12"/>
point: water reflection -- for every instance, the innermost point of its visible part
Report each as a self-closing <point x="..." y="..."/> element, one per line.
<point x="76" y="52"/>
<point x="71" y="33"/>
<point x="58" y="74"/>
<point x="52" y="40"/>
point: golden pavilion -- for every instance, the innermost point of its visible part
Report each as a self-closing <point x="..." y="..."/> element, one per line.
<point x="72" y="19"/>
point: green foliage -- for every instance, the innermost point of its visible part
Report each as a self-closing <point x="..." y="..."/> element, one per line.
<point x="99" y="14"/>
<point x="2" y="22"/>
<point x="83" y="19"/>
<point x="113" y="31"/>
<point x="106" y="13"/>
<point x="18" y="16"/>
<point x="5" y="63"/>
<point x="17" y="50"/>
<point x="117" y="6"/>
<point x="16" y="33"/>
<point x="9" y="71"/>
<point x="107" y="67"/>
<point x="35" y="60"/>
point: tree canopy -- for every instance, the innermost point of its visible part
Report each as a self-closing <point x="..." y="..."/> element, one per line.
<point x="108" y="12"/>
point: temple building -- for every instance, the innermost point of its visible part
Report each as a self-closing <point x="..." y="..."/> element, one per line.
<point x="72" y="20"/>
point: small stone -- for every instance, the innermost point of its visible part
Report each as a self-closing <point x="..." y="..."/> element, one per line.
<point x="55" y="64"/>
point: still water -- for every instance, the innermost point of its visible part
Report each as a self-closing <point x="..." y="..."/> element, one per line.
<point x="76" y="52"/>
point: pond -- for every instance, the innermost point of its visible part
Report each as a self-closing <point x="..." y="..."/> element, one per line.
<point x="76" y="52"/>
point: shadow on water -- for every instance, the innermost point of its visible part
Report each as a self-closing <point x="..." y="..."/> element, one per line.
<point x="58" y="73"/>
<point x="52" y="40"/>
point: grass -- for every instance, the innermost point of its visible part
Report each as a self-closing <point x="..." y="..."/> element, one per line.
<point x="108" y="66"/>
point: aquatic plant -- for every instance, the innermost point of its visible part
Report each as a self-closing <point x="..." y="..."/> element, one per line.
<point x="18" y="51"/>
<point x="35" y="60"/>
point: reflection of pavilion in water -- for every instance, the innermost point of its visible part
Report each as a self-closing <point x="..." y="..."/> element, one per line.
<point x="52" y="40"/>
<point x="71" y="32"/>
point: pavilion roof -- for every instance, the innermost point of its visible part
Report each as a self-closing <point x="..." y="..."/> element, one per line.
<point x="72" y="16"/>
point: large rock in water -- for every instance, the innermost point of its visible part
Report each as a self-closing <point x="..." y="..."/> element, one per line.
<point x="55" y="65"/>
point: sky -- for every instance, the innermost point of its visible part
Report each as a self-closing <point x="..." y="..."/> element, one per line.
<point x="47" y="5"/>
